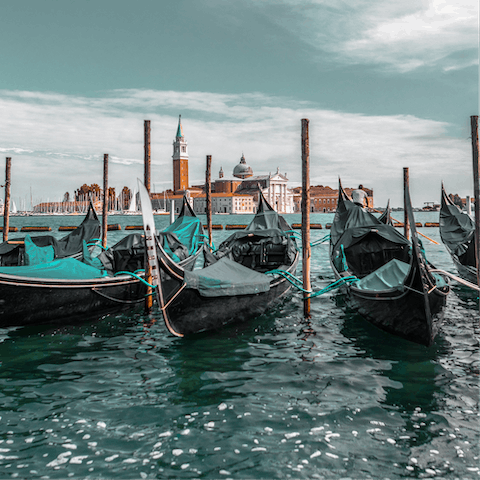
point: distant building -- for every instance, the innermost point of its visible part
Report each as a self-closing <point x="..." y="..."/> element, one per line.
<point x="225" y="203"/>
<point x="240" y="192"/>
<point x="324" y="199"/>
<point x="242" y="170"/>
<point x="221" y="202"/>
<point x="274" y="188"/>
<point x="232" y="195"/>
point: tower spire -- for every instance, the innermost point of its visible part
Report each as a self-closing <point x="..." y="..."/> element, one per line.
<point x="179" y="129"/>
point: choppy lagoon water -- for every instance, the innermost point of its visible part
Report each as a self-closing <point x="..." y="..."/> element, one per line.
<point x="278" y="397"/>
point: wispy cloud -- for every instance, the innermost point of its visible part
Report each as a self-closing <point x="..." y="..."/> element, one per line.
<point x="57" y="141"/>
<point x="397" y="36"/>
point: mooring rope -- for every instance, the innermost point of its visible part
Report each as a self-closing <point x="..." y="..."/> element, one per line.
<point x="298" y="236"/>
<point x="133" y="274"/>
<point x="96" y="244"/>
<point x="322" y="240"/>
<point x="457" y="279"/>
<point x="296" y="282"/>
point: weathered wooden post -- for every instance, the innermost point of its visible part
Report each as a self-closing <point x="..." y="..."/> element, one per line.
<point x="476" y="191"/>
<point x="147" y="161"/>
<point x="406" y="186"/>
<point x="146" y="182"/>
<point x="208" y="199"/>
<point x="6" y="211"/>
<point x="306" y="217"/>
<point x="105" y="201"/>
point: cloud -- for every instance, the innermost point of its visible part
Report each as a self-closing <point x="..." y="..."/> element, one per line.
<point x="396" y="36"/>
<point x="57" y="142"/>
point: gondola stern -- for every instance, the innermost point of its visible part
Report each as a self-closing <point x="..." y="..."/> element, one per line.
<point x="169" y="325"/>
<point x="263" y="205"/>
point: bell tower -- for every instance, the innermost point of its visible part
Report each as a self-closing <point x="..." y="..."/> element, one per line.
<point x="180" y="160"/>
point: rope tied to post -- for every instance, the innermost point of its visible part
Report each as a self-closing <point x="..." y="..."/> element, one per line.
<point x="297" y="283"/>
<point x="135" y="275"/>
<point x="298" y="236"/>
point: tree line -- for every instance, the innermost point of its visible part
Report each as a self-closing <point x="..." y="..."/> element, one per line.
<point x="94" y="192"/>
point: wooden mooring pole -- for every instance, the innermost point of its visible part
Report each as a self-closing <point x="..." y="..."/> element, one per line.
<point x="147" y="162"/>
<point x="476" y="191"/>
<point x="146" y="182"/>
<point x="105" y="201"/>
<point x="406" y="186"/>
<point x="306" y="249"/>
<point x="208" y="198"/>
<point x="6" y="210"/>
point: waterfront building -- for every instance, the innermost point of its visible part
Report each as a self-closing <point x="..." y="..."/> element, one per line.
<point x="225" y="203"/>
<point x="240" y="192"/>
<point x="274" y="188"/>
<point x="242" y="170"/>
<point x="324" y="199"/>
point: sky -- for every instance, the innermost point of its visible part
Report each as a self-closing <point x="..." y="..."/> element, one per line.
<point x="384" y="84"/>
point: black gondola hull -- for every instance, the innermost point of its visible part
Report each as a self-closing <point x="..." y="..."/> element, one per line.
<point x="467" y="272"/>
<point x="400" y="312"/>
<point x="191" y="313"/>
<point x="406" y="302"/>
<point x="33" y="302"/>
<point x="27" y="301"/>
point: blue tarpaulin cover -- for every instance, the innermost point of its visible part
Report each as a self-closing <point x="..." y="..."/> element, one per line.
<point x="62" y="269"/>
<point x="189" y="231"/>
<point x="390" y="275"/>
<point x="227" y="278"/>
<point x="36" y="255"/>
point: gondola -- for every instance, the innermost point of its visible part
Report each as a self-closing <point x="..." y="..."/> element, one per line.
<point x="457" y="231"/>
<point x="12" y="252"/>
<point x="388" y="280"/>
<point x="233" y="285"/>
<point x="71" y="289"/>
<point x="386" y="216"/>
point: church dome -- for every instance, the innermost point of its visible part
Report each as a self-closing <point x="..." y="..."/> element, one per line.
<point x="242" y="170"/>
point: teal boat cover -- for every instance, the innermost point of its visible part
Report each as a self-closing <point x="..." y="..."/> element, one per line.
<point x="67" y="246"/>
<point x="188" y="231"/>
<point x="62" y="269"/>
<point x="89" y="260"/>
<point x="12" y="254"/>
<point x="36" y="255"/>
<point x="227" y="278"/>
<point x="390" y="275"/>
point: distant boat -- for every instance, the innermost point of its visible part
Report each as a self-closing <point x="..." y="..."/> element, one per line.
<point x="457" y="231"/>
<point x="132" y="208"/>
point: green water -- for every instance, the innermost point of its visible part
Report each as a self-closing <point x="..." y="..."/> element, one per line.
<point x="277" y="397"/>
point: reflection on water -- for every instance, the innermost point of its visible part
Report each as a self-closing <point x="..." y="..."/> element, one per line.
<point x="276" y="397"/>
